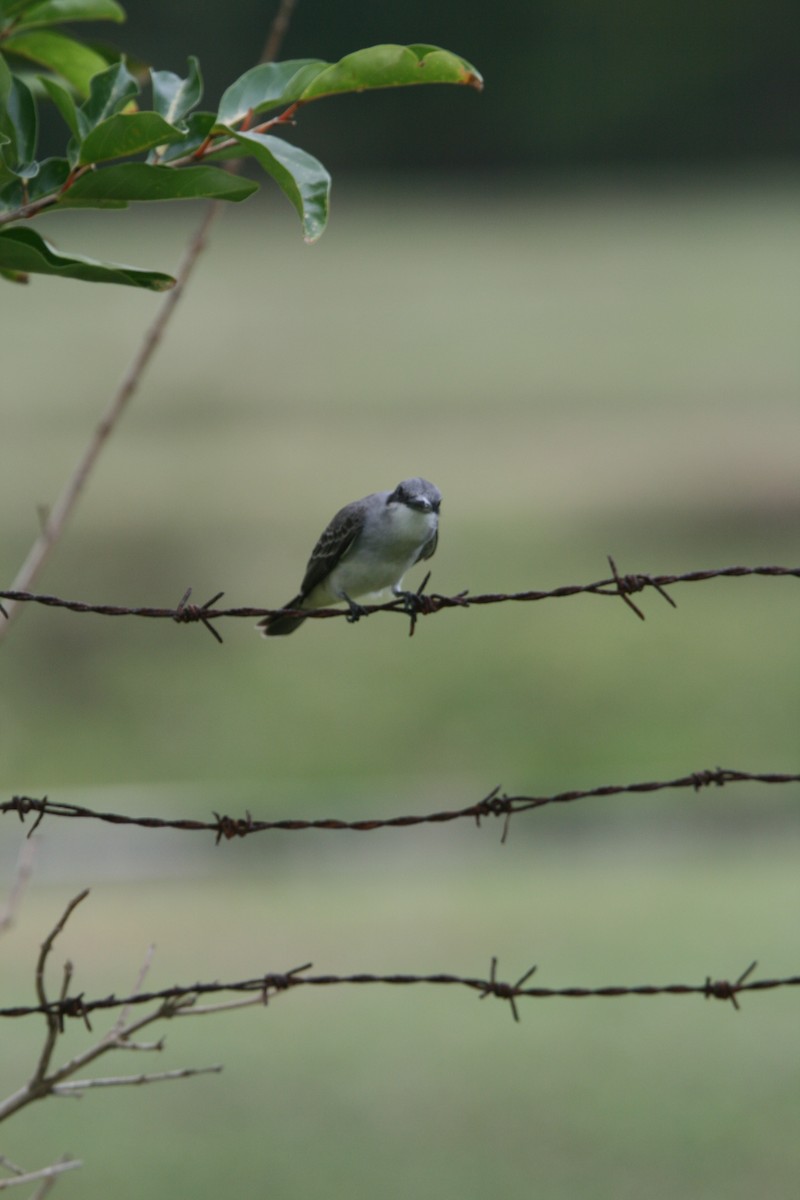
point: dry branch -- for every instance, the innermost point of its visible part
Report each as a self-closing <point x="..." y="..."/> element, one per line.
<point x="47" y="1173"/>
<point x="47" y="1081"/>
<point x="22" y="873"/>
<point x="79" y="1086"/>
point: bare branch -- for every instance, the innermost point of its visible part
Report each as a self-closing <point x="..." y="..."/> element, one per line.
<point x="137" y="987"/>
<point x="278" y="31"/>
<point x="46" y="1081"/>
<point x="44" y="1173"/>
<point x="82" y="1085"/>
<point x="53" y="1017"/>
<point x="11" y="1166"/>
<point x="64" y="506"/>
<point x="22" y="873"/>
<point x="144" y="1046"/>
<point x="49" y="1183"/>
<point x="204" y="1010"/>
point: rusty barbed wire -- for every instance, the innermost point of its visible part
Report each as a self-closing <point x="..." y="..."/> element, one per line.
<point x="621" y="586"/>
<point x="495" y="804"/>
<point x="269" y="985"/>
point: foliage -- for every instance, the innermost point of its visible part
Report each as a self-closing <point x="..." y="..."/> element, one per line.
<point x="119" y="152"/>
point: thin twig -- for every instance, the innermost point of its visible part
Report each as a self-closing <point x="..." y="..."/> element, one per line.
<point x="8" y="1165"/>
<point x="278" y="31"/>
<point x="53" y="1017"/>
<point x="204" y="1010"/>
<point x="22" y="873"/>
<point x="74" y="1086"/>
<point x="137" y="987"/>
<point x="64" y="506"/>
<point x="50" y="1182"/>
<point x="44" y="1173"/>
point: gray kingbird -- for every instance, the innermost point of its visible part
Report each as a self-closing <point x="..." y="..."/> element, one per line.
<point x="368" y="546"/>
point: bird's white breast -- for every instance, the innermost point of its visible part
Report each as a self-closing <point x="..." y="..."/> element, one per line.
<point x="409" y="527"/>
<point x="384" y="550"/>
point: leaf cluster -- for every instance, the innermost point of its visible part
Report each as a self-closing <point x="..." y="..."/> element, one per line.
<point x="119" y="152"/>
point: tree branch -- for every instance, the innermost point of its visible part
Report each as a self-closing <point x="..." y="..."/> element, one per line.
<point x="78" y="1086"/>
<point x="48" y="1173"/>
<point x="64" y="506"/>
<point x="22" y="874"/>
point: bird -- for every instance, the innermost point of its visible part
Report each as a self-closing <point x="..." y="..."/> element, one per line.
<point x="366" y="547"/>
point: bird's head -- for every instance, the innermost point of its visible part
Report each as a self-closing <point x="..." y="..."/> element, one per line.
<point x="418" y="494"/>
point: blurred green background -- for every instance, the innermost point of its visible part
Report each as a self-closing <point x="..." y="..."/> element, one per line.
<point x="586" y="361"/>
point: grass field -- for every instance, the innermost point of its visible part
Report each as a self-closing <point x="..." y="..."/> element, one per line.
<point x="583" y="370"/>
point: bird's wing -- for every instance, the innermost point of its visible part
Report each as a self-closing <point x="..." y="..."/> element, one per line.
<point x="333" y="544"/>
<point x="429" y="549"/>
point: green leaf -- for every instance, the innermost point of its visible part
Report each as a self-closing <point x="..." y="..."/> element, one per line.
<point x="125" y="134"/>
<point x="52" y="12"/>
<point x="301" y="178"/>
<point x="22" y="115"/>
<point x="63" y="100"/>
<point x="116" y="186"/>
<point x="173" y="97"/>
<point x="273" y="85"/>
<point x="51" y="176"/>
<point x="5" y="82"/>
<point x="198" y="127"/>
<point x="72" y="60"/>
<point x="7" y="177"/>
<point x="12" y="194"/>
<point x="109" y="92"/>
<point x="25" y="251"/>
<point x="8" y="154"/>
<point x="269" y="85"/>
<point x="391" y="66"/>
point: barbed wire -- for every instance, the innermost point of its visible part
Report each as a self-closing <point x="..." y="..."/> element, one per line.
<point x="271" y="984"/>
<point x="415" y="604"/>
<point x="495" y="804"/>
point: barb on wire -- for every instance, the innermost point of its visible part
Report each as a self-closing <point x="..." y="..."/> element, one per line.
<point x="495" y="804"/>
<point x="185" y="613"/>
<point x="617" y="585"/>
<point x="262" y="987"/>
<point x="506" y="991"/>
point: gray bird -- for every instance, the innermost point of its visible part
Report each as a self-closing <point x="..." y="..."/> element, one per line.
<point x="368" y="546"/>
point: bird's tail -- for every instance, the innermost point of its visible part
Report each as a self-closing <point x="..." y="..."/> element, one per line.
<point x="281" y="623"/>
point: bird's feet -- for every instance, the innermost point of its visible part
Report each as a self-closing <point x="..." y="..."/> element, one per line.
<point x="356" y="610"/>
<point x="413" y="602"/>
